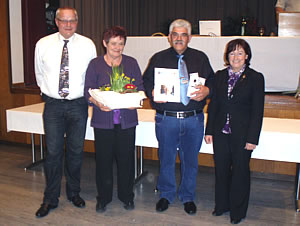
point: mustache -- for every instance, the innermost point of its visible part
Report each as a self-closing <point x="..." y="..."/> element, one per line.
<point x="179" y="42"/>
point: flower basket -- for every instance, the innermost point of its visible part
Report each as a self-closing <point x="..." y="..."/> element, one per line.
<point x="115" y="100"/>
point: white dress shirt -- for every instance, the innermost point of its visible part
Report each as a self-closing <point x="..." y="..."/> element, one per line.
<point x="48" y="53"/>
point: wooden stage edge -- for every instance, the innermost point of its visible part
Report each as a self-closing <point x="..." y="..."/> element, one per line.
<point x="282" y="106"/>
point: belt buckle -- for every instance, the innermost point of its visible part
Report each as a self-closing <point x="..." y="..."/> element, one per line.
<point x="180" y="115"/>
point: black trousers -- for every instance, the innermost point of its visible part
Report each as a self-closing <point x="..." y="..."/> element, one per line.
<point x="118" y="144"/>
<point x="232" y="188"/>
<point x="63" y="117"/>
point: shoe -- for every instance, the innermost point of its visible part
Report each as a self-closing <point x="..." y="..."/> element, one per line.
<point x="190" y="208"/>
<point x="44" y="209"/>
<point x="129" y="205"/>
<point x="77" y="201"/>
<point x="235" y="221"/>
<point x="100" y="208"/>
<point x="162" y="205"/>
<point x="216" y="213"/>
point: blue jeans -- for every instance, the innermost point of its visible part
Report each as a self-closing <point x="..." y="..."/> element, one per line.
<point x="186" y="135"/>
<point x="63" y="117"/>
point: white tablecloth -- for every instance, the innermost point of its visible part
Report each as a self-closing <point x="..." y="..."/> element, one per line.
<point x="279" y="140"/>
<point x="278" y="58"/>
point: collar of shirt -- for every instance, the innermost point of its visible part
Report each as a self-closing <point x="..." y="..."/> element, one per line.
<point x="61" y="38"/>
<point x="231" y="73"/>
<point x="185" y="53"/>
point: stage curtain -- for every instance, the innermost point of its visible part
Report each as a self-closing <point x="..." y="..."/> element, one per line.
<point x="145" y="17"/>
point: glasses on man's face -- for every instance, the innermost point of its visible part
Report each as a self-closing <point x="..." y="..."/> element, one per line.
<point x="177" y="35"/>
<point x="67" y="21"/>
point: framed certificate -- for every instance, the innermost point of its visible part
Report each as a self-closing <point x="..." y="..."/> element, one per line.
<point x="210" y="27"/>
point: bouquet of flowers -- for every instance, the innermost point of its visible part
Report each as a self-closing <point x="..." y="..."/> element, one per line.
<point x="119" y="82"/>
<point x="120" y="93"/>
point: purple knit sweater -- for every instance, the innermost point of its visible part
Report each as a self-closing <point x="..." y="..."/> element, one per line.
<point x="96" y="76"/>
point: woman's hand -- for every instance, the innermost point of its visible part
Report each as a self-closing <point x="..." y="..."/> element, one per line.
<point x="250" y="147"/>
<point x="102" y="107"/>
<point x="201" y="93"/>
<point x="99" y="105"/>
<point x="208" y="139"/>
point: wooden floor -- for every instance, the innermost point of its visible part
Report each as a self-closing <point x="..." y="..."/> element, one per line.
<point x="21" y="193"/>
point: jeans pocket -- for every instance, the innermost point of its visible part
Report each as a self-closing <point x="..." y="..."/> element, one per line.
<point x="158" y="118"/>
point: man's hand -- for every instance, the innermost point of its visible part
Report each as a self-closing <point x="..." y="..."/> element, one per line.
<point x="201" y="93"/>
<point x="160" y="102"/>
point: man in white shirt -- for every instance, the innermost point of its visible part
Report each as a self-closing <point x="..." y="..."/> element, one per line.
<point x="61" y="60"/>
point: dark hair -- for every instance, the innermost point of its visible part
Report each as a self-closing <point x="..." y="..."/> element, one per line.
<point x="233" y="45"/>
<point x="116" y="31"/>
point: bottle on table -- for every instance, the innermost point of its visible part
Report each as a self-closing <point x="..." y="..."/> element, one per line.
<point x="243" y="27"/>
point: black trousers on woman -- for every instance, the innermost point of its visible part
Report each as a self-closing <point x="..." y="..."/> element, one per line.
<point x="118" y="144"/>
<point x="232" y="188"/>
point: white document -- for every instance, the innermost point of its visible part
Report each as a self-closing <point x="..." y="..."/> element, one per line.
<point x="195" y="80"/>
<point x="210" y="27"/>
<point x="166" y="85"/>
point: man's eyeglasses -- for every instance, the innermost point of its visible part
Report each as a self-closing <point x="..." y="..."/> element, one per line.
<point x="177" y="35"/>
<point x="67" y="21"/>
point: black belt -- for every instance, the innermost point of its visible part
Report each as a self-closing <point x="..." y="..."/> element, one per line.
<point x="45" y="98"/>
<point x="179" y="114"/>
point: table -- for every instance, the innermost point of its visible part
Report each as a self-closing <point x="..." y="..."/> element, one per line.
<point x="276" y="57"/>
<point x="279" y="140"/>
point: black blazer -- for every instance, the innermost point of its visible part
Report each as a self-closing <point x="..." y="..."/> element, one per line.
<point x="245" y="105"/>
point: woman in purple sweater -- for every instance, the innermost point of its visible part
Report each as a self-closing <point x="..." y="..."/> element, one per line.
<point x="114" y="129"/>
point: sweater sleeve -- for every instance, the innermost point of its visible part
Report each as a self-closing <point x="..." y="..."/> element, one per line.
<point x="90" y="79"/>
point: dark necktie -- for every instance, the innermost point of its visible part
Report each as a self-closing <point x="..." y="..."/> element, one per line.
<point x="184" y="80"/>
<point x="63" y="89"/>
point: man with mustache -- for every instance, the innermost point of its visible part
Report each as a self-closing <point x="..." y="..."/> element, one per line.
<point x="179" y="125"/>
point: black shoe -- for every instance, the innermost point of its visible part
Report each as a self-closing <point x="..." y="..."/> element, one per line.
<point x="235" y="221"/>
<point x="77" y="201"/>
<point x="217" y="213"/>
<point x="100" y="208"/>
<point x="162" y="205"/>
<point x="44" y="209"/>
<point x="190" y="208"/>
<point x="129" y="205"/>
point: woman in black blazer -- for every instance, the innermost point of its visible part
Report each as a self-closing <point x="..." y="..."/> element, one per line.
<point x="234" y="122"/>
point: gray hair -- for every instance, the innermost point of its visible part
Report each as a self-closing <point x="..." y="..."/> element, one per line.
<point x="66" y="8"/>
<point x="181" y="23"/>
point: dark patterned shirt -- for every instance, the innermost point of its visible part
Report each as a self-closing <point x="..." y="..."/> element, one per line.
<point x="233" y="78"/>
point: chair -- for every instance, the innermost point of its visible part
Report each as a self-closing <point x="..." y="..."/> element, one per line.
<point x="158" y="34"/>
